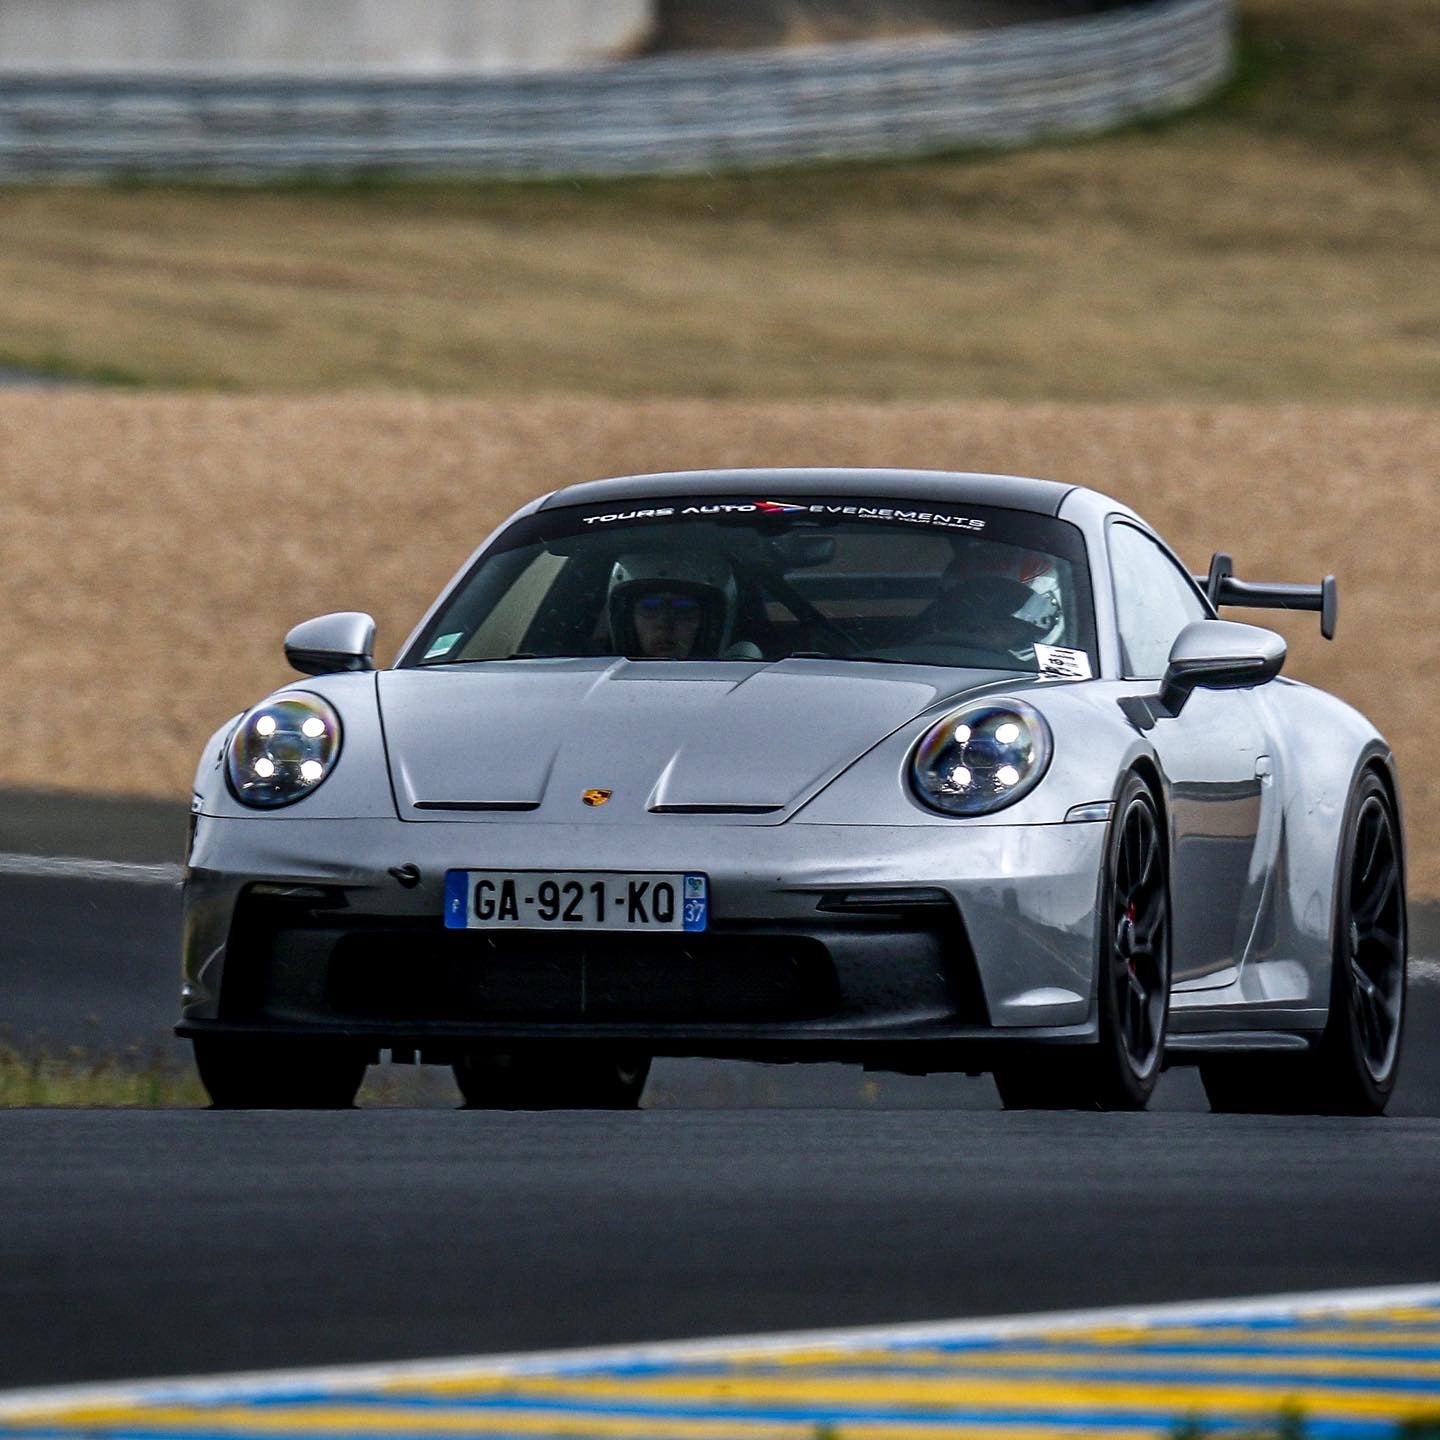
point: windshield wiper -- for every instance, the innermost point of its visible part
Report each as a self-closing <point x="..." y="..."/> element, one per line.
<point x="491" y="659"/>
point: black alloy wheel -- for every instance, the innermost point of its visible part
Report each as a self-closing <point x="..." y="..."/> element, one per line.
<point x="243" y="1072"/>
<point x="1132" y="984"/>
<point x="550" y="1080"/>
<point x="1351" y="1071"/>
<point x="1139" y="915"/>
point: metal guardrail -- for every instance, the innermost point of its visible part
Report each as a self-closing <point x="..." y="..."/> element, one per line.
<point x="671" y="114"/>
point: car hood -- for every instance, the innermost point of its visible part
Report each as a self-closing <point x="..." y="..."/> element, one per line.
<point x="529" y="738"/>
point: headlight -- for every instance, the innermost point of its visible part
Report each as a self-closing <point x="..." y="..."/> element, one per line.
<point x="282" y="750"/>
<point x="981" y="758"/>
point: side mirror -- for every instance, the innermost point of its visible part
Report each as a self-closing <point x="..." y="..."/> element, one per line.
<point x="331" y="643"/>
<point x="1218" y="655"/>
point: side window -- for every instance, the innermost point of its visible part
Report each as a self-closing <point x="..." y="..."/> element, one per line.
<point x="1154" y="601"/>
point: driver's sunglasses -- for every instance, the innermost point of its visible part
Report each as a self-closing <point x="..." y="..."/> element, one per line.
<point x="678" y="605"/>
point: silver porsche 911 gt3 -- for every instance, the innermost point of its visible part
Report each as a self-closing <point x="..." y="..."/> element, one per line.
<point x="924" y="771"/>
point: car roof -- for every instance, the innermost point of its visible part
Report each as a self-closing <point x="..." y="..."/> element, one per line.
<point x="1011" y="492"/>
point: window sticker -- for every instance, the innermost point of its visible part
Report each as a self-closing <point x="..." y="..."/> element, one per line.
<point x="443" y="644"/>
<point x="705" y="510"/>
<point x="1063" y="663"/>
<point x="656" y="513"/>
<point x="894" y="513"/>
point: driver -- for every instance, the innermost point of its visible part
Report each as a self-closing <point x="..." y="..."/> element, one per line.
<point x="982" y="604"/>
<point x="671" y="607"/>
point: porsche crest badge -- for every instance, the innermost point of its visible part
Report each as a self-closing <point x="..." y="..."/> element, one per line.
<point x="596" y="797"/>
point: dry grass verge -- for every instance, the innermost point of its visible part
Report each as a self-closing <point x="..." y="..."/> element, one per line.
<point x="157" y="548"/>
<point x="1280" y="245"/>
<point x="82" y="1078"/>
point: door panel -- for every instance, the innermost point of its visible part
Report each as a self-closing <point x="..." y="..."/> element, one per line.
<point x="1211" y="752"/>
<point x="1214" y="755"/>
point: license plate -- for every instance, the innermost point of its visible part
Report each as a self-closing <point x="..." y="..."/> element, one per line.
<point x="574" y="900"/>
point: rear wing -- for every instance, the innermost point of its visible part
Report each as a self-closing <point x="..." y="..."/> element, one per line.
<point x="1224" y="589"/>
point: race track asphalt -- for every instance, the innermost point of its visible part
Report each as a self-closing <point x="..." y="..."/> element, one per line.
<point x="151" y="1243"/>
<point x="147" y="1243"/>
<point x="84" y="961"/>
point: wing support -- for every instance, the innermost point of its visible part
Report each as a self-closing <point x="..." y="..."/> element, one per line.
<point x="1223" y="588"/>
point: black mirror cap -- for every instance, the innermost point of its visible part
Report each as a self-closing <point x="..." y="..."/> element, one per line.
<point x="332" y="644"/>
<point x="1219" y="655"/>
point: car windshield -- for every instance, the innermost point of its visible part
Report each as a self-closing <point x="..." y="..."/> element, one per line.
<point x="764" y="580"/>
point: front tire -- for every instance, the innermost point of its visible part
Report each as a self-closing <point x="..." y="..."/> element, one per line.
<point x="491" y="1080"/>
<point x="243" y="1072"/>
<point x="1352" y="1070"/>
<point x="1133" y="984"/>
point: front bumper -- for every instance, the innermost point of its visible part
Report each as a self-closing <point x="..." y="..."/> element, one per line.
<point x="902" y="946"/>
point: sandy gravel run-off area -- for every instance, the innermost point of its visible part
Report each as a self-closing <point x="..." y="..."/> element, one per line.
<point x="155" y="549"/>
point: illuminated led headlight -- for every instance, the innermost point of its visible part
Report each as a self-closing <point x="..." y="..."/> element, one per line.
<point x="282" y="750"/>
<point x="981" y="758"/>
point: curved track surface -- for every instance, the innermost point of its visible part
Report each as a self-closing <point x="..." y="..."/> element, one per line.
<point x="152" y="1243"/>
<point x="148" y="1243"/>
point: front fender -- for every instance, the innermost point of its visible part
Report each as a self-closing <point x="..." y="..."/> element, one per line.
<point x="1094" y="745"/>
<point x="357" y="788"/>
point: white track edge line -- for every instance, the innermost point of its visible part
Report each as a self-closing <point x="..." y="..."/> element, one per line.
<point x="71" y="867"/>
<point x="343" y="1379"/>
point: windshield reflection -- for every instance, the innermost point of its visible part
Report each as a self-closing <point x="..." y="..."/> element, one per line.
<point x="758" y="581"/>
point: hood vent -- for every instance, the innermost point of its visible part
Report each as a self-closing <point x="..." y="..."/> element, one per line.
<point x="715" y="809"/>
<point x="477" y="805"/>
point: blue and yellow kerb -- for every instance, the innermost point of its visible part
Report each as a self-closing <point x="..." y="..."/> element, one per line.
<point x="1357" y="1364"/>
